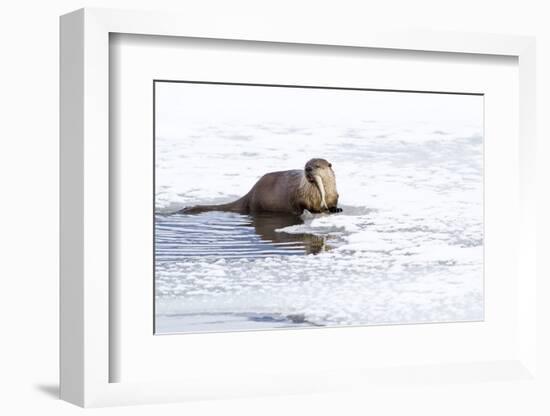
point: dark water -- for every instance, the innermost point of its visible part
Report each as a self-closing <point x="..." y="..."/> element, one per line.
<point x="230" y="235"/>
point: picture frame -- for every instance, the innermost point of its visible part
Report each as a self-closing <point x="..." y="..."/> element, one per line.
<point x="86" y="305"/>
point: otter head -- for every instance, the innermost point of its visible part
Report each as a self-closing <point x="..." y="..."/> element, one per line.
<point x="318" y="167"/>
<point x="319" y="172"/>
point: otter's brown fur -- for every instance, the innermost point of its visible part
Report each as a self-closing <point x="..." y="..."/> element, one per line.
<point x="289" y="192"/>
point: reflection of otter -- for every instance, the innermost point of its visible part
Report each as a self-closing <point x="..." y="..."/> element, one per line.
<point x="266" y="224"/>
<point x="287" y="192"/>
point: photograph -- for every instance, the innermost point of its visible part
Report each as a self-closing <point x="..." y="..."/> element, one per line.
<point x="303" y="206"/>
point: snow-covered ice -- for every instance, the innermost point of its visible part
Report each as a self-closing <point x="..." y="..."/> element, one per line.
<point x="407" y="248"/>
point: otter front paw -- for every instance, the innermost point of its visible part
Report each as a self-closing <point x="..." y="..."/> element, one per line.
<point x="335" y="209"/>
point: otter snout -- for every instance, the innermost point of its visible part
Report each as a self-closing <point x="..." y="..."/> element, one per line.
<point x="309" y="174"/>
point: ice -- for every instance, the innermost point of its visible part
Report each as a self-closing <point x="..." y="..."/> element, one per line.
<point x="322" y="225"/>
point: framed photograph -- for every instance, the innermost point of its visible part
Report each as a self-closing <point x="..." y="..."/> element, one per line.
<point x="255" y="211"/>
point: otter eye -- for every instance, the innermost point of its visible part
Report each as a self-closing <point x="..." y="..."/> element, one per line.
<point x="317" y="166"/>
<point x="330" y="165"/>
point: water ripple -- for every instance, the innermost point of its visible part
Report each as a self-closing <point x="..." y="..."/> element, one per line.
<point x="228" y="235"/>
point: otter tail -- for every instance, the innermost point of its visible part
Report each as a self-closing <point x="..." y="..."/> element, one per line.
<point x="240" y="206"/>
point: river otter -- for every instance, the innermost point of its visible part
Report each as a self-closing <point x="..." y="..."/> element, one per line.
<point x="287" y="192"/>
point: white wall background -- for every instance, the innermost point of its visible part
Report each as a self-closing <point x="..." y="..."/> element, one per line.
<point x="29" y="205"/>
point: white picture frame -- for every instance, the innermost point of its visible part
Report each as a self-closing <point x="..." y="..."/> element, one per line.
<point x="85" y="220"/>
